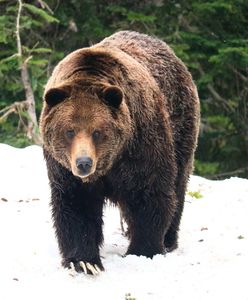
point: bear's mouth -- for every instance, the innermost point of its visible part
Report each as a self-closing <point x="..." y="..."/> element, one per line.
<point x="83" y="171"/>
<point x="89" y="178"/>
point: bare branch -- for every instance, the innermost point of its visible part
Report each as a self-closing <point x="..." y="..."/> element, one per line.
<point x="240" y="75"/>
<point x="231" y="173"/>
<point x="4" y="109"/>
<point x="18" y="38"/>
<point x="16" y="107"/>
<point x="6" y="114"/>
<point x="182" y="21"/>
<point x="222" y="101"/>
<point x="43" y="4"/>
<point x="218" y="97"/>
<point x="27" y="60"/>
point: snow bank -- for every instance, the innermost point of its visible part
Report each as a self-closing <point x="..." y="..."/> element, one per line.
<point x="210" y="263"/>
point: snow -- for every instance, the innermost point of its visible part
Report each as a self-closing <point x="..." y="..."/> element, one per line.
<point x="210" y="263"/>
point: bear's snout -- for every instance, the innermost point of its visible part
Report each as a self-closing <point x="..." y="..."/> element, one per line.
<point x="83" y="156"/>
<point x="84" y="165"/>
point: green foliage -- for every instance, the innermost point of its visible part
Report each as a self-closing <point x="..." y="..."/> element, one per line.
<point x="195" y="194"/>
<point x="37" y="12"/>
<point x="240" y="237"/>
<point x="209" y="36"/>
<point x="205" y="168"/>
<point x="128" y="296"/>
<point x="33" y="24"/>
<point x="216" y="54"/>
<point x="19" y="140"/>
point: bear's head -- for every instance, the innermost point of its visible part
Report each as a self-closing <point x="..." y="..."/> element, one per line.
<point x="84" y="125"/>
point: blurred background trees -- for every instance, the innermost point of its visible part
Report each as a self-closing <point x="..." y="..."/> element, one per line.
<point x="209" y="36"/>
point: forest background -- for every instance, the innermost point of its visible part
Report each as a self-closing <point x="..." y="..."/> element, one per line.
<point x="211" y="37"/>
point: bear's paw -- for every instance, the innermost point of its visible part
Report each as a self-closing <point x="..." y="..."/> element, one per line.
<point x="86" y="267"/>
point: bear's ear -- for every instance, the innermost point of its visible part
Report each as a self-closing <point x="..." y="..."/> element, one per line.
<point x="112" y="96"/>
<point x="56" y="95"/>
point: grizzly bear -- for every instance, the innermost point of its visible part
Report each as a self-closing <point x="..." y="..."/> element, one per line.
<point x="120" y="121"/>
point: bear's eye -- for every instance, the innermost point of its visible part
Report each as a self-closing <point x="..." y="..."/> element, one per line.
<point x="70" y="133"/>
<point x="96" y="135"/>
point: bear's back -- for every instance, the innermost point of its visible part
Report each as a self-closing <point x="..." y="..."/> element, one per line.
<point x="169" y="71"/>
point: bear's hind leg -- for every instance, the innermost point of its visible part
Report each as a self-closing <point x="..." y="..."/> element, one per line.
<point x="171" y="236"/>
<point x="147" y="222"/>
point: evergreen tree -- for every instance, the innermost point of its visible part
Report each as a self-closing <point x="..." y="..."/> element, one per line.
<point x="209" y="36"/>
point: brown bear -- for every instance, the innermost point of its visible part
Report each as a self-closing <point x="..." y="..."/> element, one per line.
<point x="120" y="121"/>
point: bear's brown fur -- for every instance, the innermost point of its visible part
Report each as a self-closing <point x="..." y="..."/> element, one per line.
<point x="120" y="121"/>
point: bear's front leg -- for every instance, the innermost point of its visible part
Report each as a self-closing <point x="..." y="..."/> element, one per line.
<point x="78" y="225"/>
<point x="77" y="216"/>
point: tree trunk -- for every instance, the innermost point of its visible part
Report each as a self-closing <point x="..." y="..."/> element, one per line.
<point x="32" y="128"/>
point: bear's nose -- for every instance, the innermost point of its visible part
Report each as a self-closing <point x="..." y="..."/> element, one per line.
<point x="84" y="164"/>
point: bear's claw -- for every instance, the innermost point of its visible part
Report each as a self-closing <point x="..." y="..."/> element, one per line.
<point x="83" y="266"/>
<point x="72" y="267"/>
<point x="86" y="267"/>
<point x="92" y="269"/>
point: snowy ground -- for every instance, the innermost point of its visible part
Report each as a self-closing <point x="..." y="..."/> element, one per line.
<point x="211" y="262"/>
